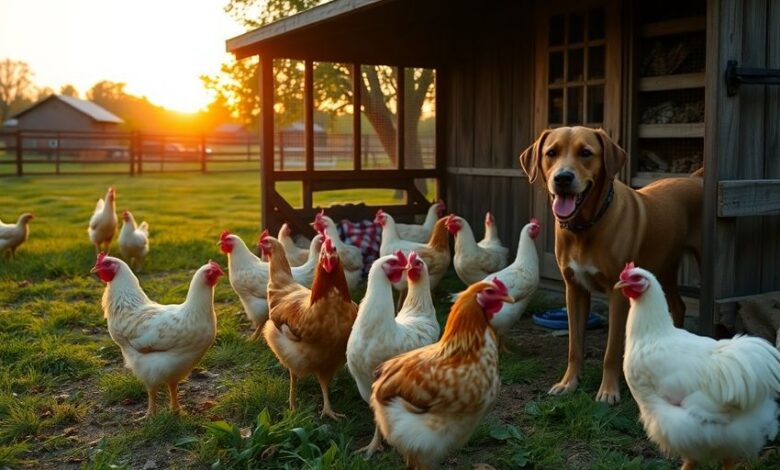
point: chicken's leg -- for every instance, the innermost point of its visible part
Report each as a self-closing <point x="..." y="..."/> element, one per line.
<point x="152" y="408"/>
<point x="375" y="445"/>
<point x="293" y="383"/>
<point x="324" y="381"/>
<point x="173" y="388"/>
<point x="688" y="464"/>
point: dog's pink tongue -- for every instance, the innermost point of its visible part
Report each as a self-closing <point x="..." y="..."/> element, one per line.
<point x="564" y="206"/>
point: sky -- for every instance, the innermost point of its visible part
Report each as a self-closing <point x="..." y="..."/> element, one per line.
<point x="159" y="48"/>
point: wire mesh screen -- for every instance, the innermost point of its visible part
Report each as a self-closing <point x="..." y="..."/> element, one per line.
<point x="672" y="106"/>
<point x="676" y="54"/>
<point x="379" y="116"/>
<point x="419" y="118"/>
<point x="333" y="116"/>
<point x="289" y="142"/>
<point x="670" y="155"/>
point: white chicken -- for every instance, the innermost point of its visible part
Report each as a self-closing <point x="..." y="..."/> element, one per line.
<point x="248" y="275"/>
<point x="102" y="224"/>
<point x="296" y="255"/>
<point x="160" y="343"/>
<point x="378" y="334"/>
<point x="474" y="262"/>
<point x="521" y="279"/>
<point x="13" y="235"/>
<point x="421" y="233"/>
<point x="350" y="256"/>
<point x="133" y="240"/>
<point x="436" y="252"/>
<point x="701" y="399"/>
<point x="491" y="237"/>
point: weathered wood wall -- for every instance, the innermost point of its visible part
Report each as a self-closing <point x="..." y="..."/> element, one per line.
<point x="742" y="142"/>
<point x="489" y="122"/>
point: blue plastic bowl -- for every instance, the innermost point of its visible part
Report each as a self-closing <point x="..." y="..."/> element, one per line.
<point x="557" y="319"/>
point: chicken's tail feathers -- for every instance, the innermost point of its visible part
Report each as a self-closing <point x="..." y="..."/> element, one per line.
<point x="748" y="371"/>
<point x="144" y="227"/>
<point x="454" y="296"/>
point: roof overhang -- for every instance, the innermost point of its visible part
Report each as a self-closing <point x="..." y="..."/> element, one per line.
<point x="391" y="32"/>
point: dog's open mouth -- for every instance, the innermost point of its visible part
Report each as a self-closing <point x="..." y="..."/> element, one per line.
<point x="565" y="206"/>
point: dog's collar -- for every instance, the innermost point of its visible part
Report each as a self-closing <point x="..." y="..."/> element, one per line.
<point x="579" y="227"/>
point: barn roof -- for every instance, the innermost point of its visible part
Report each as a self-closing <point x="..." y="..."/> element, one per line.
<point x="91" y="109"/>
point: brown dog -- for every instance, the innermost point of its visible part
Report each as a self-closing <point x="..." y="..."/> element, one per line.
<point x="602" y="224"/>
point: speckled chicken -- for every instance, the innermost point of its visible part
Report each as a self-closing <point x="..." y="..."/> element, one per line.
<point x="308" y="328"/>
<point x="378" y="333"/>
<point x="427" y="402"/>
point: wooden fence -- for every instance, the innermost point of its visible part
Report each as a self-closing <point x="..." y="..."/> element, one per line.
<point x="135" y="153"/>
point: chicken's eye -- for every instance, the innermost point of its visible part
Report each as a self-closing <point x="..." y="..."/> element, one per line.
<point x="490" y="291"/>
<point x="551" y="153"/>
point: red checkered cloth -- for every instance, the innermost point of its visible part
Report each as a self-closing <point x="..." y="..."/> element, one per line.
<point x="365" y="235"/>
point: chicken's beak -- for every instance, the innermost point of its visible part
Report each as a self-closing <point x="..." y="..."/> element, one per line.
<point x="219" y="243"/>
<point x="508" y="299"/>
<point x="620" y="284"/>
<point x="94" y="269"/>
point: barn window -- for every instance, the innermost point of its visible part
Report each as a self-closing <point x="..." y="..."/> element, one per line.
<point x="575" y="79"/>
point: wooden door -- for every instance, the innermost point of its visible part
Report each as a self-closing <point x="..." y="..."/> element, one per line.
<point x="577" y="82"/>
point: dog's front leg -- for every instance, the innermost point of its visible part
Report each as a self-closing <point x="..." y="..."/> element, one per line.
<point x="577" y="307"/>
<point x="613" y="357"/>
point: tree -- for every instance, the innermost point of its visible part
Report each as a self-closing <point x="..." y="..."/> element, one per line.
<point x="43" y="93"/>
<point x="69" y="90"/>
<point x="15" y="87"/>
<point x="332" y="83"/>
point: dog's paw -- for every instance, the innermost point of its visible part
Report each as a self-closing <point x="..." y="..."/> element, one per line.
<point x="608" y="395"/>
<point x="563" y="387"/>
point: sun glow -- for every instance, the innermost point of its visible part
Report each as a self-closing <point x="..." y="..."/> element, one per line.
<point x="158" y="48"/>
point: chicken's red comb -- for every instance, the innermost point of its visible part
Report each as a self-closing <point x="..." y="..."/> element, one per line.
<point x="534" y="221"/>
<point x="489" y="217"/>
<point x="328" y="245"/>
<point x="412" y="257"/>
<point x="263" y="235"/>
<point x="500" y="286"/>
<point x="213" y="265"/>
<point x="101" y="256"/>
<point x="319" y="215"/>
<point x="125" y="212"/>
<point x="401" y="256"/>
<point x="625" y="274"/>
<point x="223" y="236"/>
<point x="378" y="216"/>
<point x="441" y="203"/>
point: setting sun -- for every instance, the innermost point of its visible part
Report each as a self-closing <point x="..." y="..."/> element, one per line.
<point x="159" y="49"/>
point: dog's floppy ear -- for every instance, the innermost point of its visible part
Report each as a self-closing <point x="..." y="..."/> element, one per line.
<point x="531" y="158"/>
<point x="614" y="156"/>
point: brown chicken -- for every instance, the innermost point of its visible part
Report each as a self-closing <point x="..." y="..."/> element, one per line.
<point x="427" y="402"/>
<point x="308" y="329"/>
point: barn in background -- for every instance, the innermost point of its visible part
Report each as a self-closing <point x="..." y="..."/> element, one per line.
<point x="678" y="84"/>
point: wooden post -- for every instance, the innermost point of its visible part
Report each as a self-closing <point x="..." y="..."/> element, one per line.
<point x="400" y="109"/>
<point x="357" y="76"/>
<point x="132" y="151"/>
<point x="202" y="153"/>
<point x="19" y="153"/>
<point x="140" y="157"/>
<point x="57" y="155"/>
<point x="440" y="86"/>
<point x="266" y="137"/>
<point x="308" y="132"/>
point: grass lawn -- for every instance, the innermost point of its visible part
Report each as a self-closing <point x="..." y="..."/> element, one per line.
<point x="67" y="402"/>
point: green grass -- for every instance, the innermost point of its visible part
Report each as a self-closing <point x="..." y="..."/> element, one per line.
<point x="67" y="401"/>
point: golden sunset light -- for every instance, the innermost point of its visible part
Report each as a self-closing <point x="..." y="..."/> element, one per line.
<point x="158" y="48"/>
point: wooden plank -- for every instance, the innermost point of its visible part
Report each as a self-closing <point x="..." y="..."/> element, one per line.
<point x="675" y="26"/>
<point x="498" y="172"/>
<point x="674" y="131"/>
<point x="481" y="125"/>
<point x="770" y="275"/>
<point x="643" y="178"/>
<point x="672" y="82"/>
<point x="373" y="175"/>
<point x="724" y="42"/>
<point x="441" y="82"/>
<point x="308" y="115"/>
<point x="740" y="198"/>
<point x="400" y="110"/>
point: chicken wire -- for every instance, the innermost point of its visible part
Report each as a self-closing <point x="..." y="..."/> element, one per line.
<point x="379" y="117"/>
<point x="288" y="114"/>
<point x="670" y="155"/>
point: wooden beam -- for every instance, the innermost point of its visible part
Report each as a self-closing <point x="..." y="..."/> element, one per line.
<point x="441" y="92"/>
<point x="739" y="198"/>
<point x="357" y="138"/>
<point x="308" y="119"/>
<point x="350" y="175"/>
<point x="501" y="172"/>
<point x="400" y="108"/>
<point x="266" y="138"/>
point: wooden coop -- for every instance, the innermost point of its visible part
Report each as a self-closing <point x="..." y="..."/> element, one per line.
<point x="663" y="78"/>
